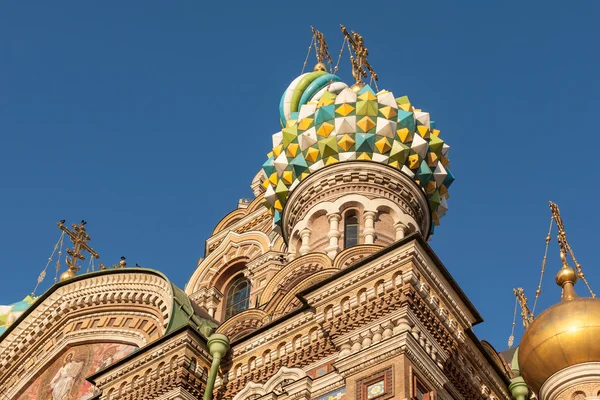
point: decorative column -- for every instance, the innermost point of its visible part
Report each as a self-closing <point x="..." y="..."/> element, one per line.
<point x="333" y="234"/>
<point x="369" y="232"/>
<point x="305" y="235"/>
<point x="401" y="230"/>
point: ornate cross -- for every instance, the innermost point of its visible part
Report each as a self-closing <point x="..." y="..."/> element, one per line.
<point x="322" y="51"/>
<point x="525" y="311"/>
<point x="80" y="240"/>
<point x="359" y="59"/>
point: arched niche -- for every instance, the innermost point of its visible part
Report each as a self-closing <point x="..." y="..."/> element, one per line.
<point x="235" y="248"/>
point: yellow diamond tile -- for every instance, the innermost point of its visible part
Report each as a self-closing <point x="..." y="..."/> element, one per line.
<point x="445" y="161"/>
<point x="363" y="156"/>
<point x="331" y="160"/>
<point x="277" y="150"/>
<point x="423" y="131"/>
<point x="269" y="154"/>
<point x="346" y="142"/>
<point x="290" y="123"/>
<point x="287" y="177"/>
<point x="443" y="190"/>
<point x="405" y="106"/>
<point x="344" y="109"/>
<point x="432" y="159"/>
<point x="312" y="154"/>
<point x="435" y="132"/>
<point x="325" y="129"/>
<point x="413" y="161"/>
<point x="430" y="188"/>
<point x="404" y="135"/>
<point x="366" y="123"/>
<point x="304" y="175"/>
<point x="273" y="178"/>
<point x="266" y="183"/>
<point x="278" y="205"/>
<point x="383" y="145"/>
<point x="325" y="102"/>
<point x="388" y="112"/>
<point x="304" y="123"/>
<point x="394" y="164"/>
<point x="367" y="96"/>
<point x="292" y="150"/>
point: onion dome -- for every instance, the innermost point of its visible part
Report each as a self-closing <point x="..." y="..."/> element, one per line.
<point x="326" y="122"/>
<point x="564" y="335"/>
<point x="9" y="314"/>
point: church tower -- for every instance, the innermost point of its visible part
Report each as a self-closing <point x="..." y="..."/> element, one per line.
<point x="321" y="287"/>
<point x="324" y="284"/>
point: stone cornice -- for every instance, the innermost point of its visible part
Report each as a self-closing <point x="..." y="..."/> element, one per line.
<point x="372" y="179"/>
<point x="137" y="363"/>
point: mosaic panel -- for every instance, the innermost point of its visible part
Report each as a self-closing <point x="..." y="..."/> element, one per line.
<point x="64" y="379"/>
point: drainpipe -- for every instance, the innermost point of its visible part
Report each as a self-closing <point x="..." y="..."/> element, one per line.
<point x="218" y="345"/>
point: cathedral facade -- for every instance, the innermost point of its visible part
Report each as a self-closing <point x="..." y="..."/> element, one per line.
<point x="321" y="287"/>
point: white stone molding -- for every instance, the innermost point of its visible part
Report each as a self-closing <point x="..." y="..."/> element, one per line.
<point x="256" y="390"/>
<point x="571" y="378"/>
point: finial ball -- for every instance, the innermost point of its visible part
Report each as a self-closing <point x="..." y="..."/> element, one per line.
<point x="565" y="275"/>
<point x="320" y="67"/>
<point x="68" y="274"/>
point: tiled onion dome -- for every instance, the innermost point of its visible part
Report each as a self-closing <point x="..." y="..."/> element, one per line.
<point x="331" y="124"/>
<point x="9" y="314"/>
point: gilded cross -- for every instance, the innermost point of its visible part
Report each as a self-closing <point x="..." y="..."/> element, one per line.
<point x="526" y="313"/>
<point x="80" y="240"/>
<point x="360" y="64"/>
<point x="321" y="48"/>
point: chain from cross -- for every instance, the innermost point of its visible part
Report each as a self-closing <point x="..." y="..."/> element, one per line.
<point x="359" y="59"/>
<point x="80" y="240"/>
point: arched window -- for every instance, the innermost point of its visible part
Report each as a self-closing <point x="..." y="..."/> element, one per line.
<point x="350" y="231"/>
<point x="238" y="296"/>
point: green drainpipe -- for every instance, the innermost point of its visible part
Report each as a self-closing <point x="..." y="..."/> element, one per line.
<point x="518" y="388"/>
<point x="218" y="346"/>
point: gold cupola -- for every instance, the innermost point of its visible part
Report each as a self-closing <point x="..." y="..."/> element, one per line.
<point x="566" y="334"/>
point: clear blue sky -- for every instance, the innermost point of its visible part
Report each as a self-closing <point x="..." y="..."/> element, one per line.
<point x="149" y="119"/>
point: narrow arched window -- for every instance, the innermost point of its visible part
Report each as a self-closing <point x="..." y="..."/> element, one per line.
<point x="238" y="296"/>
<point x="350" y="231"/>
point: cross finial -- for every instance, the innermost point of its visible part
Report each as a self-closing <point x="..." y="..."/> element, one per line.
<point x="360" y="64"/>
<point x="525" y="311"/>
<point x="322" y="51"/>
<point x="80" y="240"/>
<point x="565" y="247"/>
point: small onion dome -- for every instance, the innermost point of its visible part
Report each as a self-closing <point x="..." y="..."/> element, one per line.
<point x="326" y="122"/>
<point x="564" y="335"/>
<point x="9" y="314"/>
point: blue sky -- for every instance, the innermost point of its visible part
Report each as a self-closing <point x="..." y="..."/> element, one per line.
<point x="149" y="119"/>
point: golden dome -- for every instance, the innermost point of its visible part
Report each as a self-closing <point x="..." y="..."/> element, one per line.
<point x="561" y="336"/>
